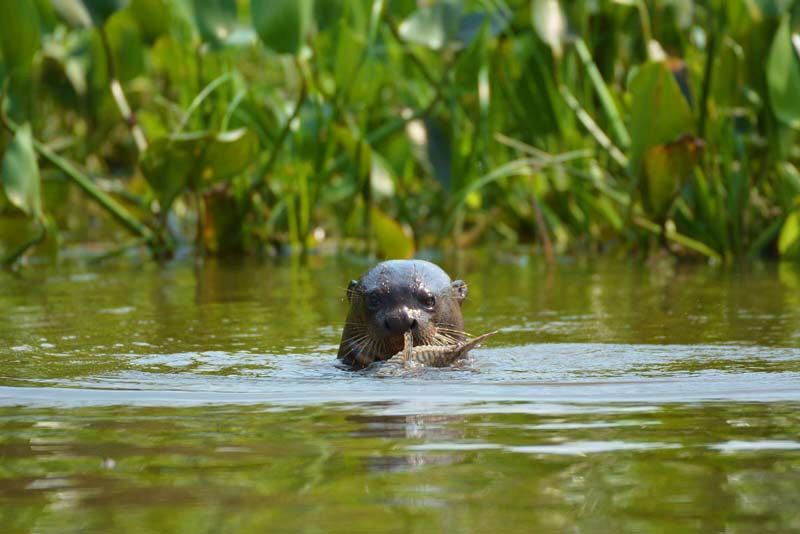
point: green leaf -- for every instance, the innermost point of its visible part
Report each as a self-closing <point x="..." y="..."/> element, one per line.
<point x="126" y="44"/>
<point x="659" y="111"/>
<point x="282" y="25"/>
<point x="195" y="161"/>
<point x="789" y="239"/>
<point x="433" y="26"/>
<point x="228" y="154"/>
<point x="153" y="18"/>
<point x="392" y="239"/>
<point x="215" y="19"/>
<point x="21" y="178"/>
<point x="20" y="34"/>
<point x="101" y="10"/>
<point x="666" y="168"/>
<point x="783" y="76"/>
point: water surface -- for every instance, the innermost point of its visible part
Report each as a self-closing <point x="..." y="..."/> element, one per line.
<point x="207" y="398"/>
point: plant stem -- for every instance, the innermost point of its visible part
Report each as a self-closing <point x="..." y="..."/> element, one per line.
<point x="708" y="70"/>
<point x="84" y="182"/>
<point x="541" y="229"/>
<point x="119" y="95"/>
<point x="273" y="157"/>
<point x="606" y="100"/>
<point x="597" y="132"/>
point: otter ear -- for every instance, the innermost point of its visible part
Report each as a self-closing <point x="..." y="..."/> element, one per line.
<point x="460" y="290"/>
<point x="350" y="289"/>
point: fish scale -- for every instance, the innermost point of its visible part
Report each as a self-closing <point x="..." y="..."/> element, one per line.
<point x="434" y="355"/>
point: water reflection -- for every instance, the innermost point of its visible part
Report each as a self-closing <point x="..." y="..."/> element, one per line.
<point x="206" y="398"/>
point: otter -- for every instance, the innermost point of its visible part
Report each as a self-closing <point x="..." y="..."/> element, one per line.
<point x="396" y="297"/>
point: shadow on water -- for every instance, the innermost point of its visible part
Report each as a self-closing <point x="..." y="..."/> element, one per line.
<point x="207" y="399"/>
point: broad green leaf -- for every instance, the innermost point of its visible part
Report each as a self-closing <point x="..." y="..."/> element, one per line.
<point x="21" y="179"/>
<point x="433" y="25"/>
<point x="195" y="161"/>
<point x="789" y="239"/>
<point x="783" y="76"/>
<point x="392" y="239"/>
<point x="349" y="51"/>
<point x="228" y="154"/>
<point x="101" y="10"/>
<point x="659" y="111"/>
<point x="215" y="19"/>
<point x="153" y="18"/>
<point x="282" y="25"/>
<point x="126" y="45"/>
<point x="550" y="23"/>
<point x="20" y="35"/>
<point x="168" y="163"/>
<point x="666" y="168"/>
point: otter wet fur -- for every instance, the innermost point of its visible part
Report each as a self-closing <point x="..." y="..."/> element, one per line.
<point x="396" y="297"/>
<point x="434" y="355"/>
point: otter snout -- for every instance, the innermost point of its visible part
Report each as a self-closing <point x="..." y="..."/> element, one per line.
<point x="399" y="321"/>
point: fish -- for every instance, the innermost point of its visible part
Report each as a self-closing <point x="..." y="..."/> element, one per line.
<point x="433" y="355"/>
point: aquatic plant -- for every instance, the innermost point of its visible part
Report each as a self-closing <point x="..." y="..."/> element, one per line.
<point x="387" y="126"/>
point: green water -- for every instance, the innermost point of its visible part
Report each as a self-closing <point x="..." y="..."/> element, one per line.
<point x="207" y="399"/>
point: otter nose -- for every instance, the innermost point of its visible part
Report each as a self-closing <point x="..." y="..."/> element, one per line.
<point x="399" y="321"/>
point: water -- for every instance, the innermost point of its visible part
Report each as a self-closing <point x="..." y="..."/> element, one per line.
<point x="207" y="399"/>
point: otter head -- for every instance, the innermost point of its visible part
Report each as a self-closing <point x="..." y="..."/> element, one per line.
<point x="399" y="296"/>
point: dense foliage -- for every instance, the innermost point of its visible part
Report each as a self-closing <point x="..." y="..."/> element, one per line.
<point x="394" y="125"/>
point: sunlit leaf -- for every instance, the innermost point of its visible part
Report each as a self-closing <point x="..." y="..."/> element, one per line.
<point x="392" y="239"/>
<point x="434" y="25"/>
<point x="215" y="19"/>
<point x="659" y="111"/>
<point x="550" y="24"/>
<point x="789" y="239"/>
<point x="20" y="173"/>
<point x="195" y="161"/>
<point x="282" y="25"/>
<point x="783" y="76"/>
<point x="73" y="12"/>
<point x="381" y="176"/>
<point x="19" y="36"/>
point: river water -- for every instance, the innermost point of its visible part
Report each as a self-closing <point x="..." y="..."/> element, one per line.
<point x="207" y="398"/>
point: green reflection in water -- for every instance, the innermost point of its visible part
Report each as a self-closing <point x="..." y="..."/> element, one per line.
<point x="463" y="455"/>
<point x="675" y="468"/>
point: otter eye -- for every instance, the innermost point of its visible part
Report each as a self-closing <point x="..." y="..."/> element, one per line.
<point x="374" y="300"/>
<point x="429" y="301"/>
